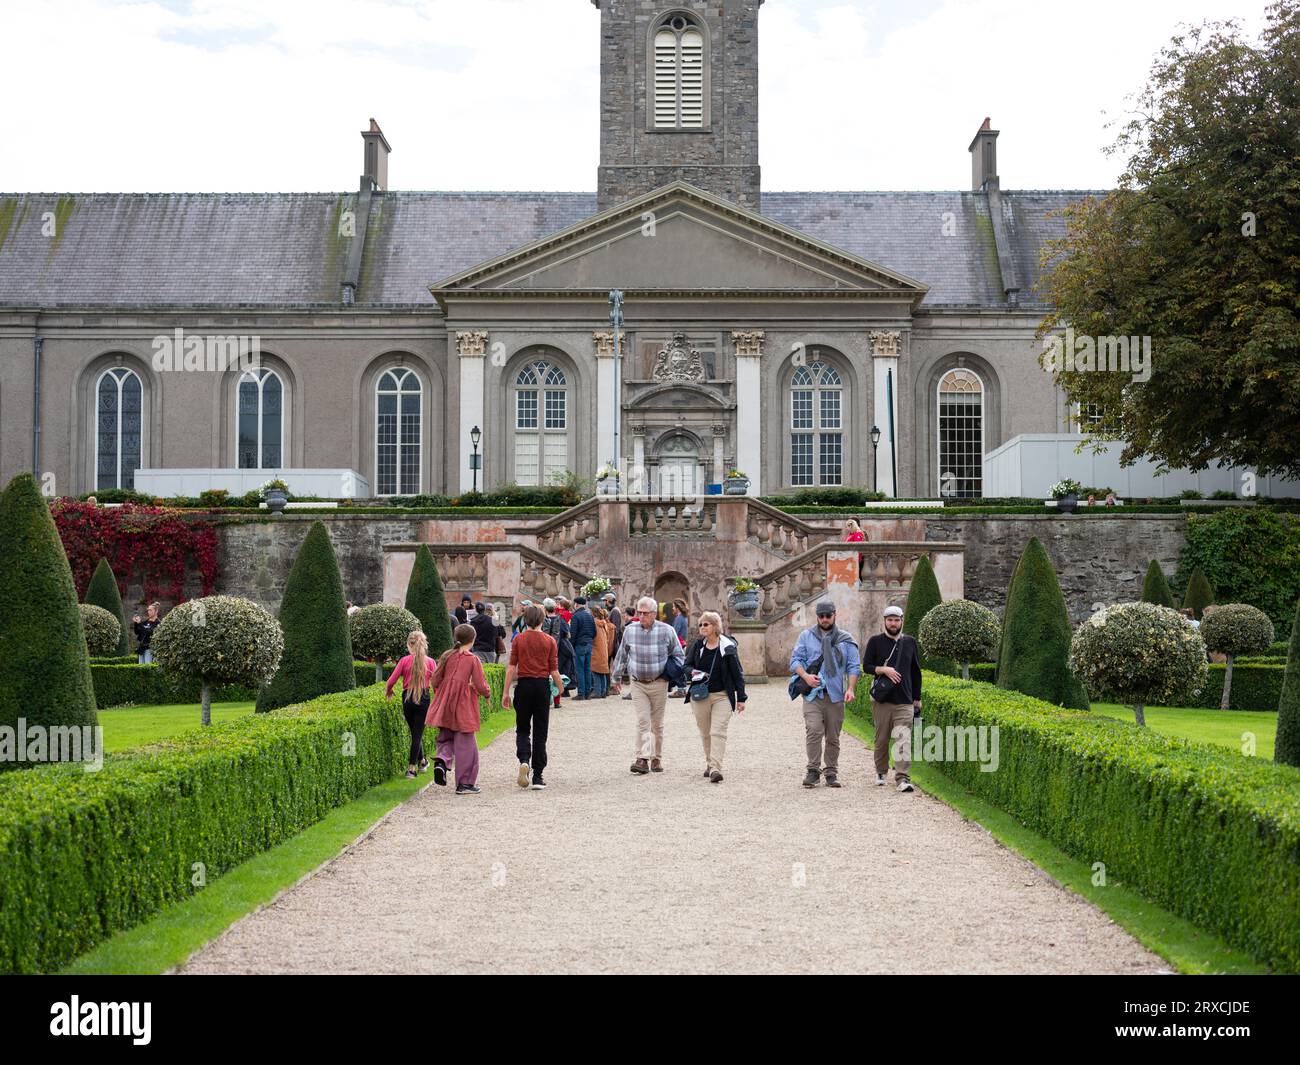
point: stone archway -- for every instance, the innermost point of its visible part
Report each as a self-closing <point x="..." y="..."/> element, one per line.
<point x="671" y="585"/>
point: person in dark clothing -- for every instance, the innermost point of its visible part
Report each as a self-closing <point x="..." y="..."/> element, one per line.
<point x="144" y="632"/>
<point x="558" y="630"/>
<point x="464" y="614"/>
<point x="582" y="634"/>
<point x="534" y="657"/>
<point x="715" y="659"/>
<point x="893" y="655"/>
<point x="485" y="634"/>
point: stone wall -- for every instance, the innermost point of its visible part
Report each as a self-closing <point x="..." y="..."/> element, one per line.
<point x="1098" y="560"/>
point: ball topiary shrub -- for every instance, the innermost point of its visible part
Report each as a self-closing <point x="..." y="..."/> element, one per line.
<point x="220" y="639"/>
<point x="1235" y="629"/>
<point x="102" y="591"/>
<point x="102" y="629"/>
<point x="923" y="596"/>
<point x="960" y="630"/>
<point x="379" y="632"/>
<point x="1139" y="653"/>
<point x="1155" y="588"/>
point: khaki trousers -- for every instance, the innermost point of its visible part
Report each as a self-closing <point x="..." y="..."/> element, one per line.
<point x="648" y="700"/>
<point x="893" y="722"/>
<point x="712" y="715"/>
<point x="822" y="721"/>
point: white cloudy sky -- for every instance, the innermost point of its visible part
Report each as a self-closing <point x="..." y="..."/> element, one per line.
<point x="270" y="95"/>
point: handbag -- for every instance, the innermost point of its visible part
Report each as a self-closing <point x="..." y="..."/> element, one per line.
<point x="700" y="688"/>
<point x="882" y="687"/>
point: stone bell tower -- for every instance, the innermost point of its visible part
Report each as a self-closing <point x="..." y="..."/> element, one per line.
<point x="678" y="98"/>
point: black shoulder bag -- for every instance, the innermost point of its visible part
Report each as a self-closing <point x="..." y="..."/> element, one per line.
<point x="882" y="687"/>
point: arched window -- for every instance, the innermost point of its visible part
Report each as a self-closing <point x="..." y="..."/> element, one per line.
<point x="119" y="428"/>
<point x="816" y="426"/>
<point x="961" y="434"/>
<point x="679" y="74"/>
<point x="398" y="432"/>
<point x="541" y="423"/>
<point x="261" y="420"/>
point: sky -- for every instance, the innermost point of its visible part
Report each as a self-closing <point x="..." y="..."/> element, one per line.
<point x="271" y="95"/>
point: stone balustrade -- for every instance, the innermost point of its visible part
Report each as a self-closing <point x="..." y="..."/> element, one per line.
<point x="672" y="517"/>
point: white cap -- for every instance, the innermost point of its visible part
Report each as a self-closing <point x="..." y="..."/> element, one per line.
<point x="893" y="611"/>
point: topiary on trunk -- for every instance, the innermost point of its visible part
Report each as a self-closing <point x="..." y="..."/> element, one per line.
<point x="427" y="600"/>
<point x="922" y="597"/>
<point x="961" y="630"/>
<point x="102" y="591"/>
<point x="44" y="667"/>
<point x="1034" y="654"/>
<point x="1155" y="589"/>
<point x="1235" y="629"/>
<point x="379" y="633"/>
<point x="1200" y="593"/>
<point x="1286" y="748"/>
<point x="313" y="614"/>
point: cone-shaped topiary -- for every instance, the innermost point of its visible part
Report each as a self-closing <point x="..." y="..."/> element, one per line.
<point x="427" y="600"/>
<point x="1286" y="748"/>
<point x="102" y="591"/>
<point x="44" y="666"/>
<point x="313" y="615"/>
<point x="1034" y="654"/>
<point x="102" y="630"/>
<point x="1155" y="589"/>
<point x="922" y="597"/>
<point x="380" y="632"/>
<point x="1200" y="593"/>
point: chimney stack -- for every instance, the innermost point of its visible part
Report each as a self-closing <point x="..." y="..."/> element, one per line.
<point x="375" y="174"/>
<point x="984" y="157"/>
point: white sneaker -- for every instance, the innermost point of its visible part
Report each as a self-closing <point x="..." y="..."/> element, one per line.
<point x="906" y="785"/>
<point x="523" y="774"/>
<point x="880" y="782"/>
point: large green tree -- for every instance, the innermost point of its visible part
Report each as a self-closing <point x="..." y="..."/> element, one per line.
<point x="922" y="597"/>
<point x="317" y="655"/>
<point x="1198" y="248"/>
<point x="44" y="665"/>
<point x="102" y="592"/>
<point x="1034" y="655"/>
<point x="427" y="600"/>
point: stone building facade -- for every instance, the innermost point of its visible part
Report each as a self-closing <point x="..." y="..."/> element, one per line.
<point x="768" y="331"/>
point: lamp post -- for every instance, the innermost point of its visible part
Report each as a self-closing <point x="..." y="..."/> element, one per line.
<point x="875" y="468"/>
<point x="616" y="321"/>
<point x="475" y="435"/>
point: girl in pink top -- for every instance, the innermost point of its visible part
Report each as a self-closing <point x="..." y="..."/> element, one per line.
<point x="416" y="672"/>
<point x="457" y="685"/>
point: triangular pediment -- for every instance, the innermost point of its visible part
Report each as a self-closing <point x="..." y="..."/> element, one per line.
<point x="680" y="239"/>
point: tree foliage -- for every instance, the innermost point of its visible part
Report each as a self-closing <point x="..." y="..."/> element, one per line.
<point x="102" y="591"/>
<point x="1155" y="588"/>
<point x="427" y="600"/>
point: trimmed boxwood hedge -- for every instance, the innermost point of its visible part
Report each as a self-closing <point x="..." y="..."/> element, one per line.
<point x="1204" y="832"/>
<point x="85" y="855"/>
<point x="1255" y="686"/>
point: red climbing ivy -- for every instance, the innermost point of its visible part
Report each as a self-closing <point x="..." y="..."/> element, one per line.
<point x="153" y="544"/>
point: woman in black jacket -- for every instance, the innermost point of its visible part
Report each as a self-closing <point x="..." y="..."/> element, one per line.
<point x="713" y="661"/>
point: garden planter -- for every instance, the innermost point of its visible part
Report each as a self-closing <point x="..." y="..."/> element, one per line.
<point x="745" y="604"/>
<point x="735" y="486"/>
<point x="607" y="486"/>
<point x="275" y="500"/>
<point x="1067" y="504"/>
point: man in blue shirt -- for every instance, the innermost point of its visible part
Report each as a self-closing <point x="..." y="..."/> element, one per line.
<point x="582" y="633"/>
<point x="834" y="653"/>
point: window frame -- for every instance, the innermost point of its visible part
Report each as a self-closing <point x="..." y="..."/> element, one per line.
<point x="938" y="428"/>
<point x="125" y="371"/>
<point x="810" y="378"/>
<point x="548" y="378"/>
<point x="261" y="374"/>
<point x="700" y="26"/>
<point x="400" y="375"/>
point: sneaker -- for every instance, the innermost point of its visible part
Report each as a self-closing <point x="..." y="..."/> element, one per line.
<point x="716" y="777"/>
<point x="424" y="765"/>
<point x="880" y="781"/>
<point x="410" y="774"/>
<point x="640" y="766"/>
<point x="810" y="778"/>
<point x="832" y="781"/>
<point x="627" y="698"/>
<point x="708" y="773"/>
<point x="538" y="784"/>
<point x="523" y="774"/>
<point x="905" y="785"/>
<point x="468" y="789"/>
<point x="440" y="772"/>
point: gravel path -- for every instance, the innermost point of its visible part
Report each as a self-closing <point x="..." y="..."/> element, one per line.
<point x="610" y="872"/>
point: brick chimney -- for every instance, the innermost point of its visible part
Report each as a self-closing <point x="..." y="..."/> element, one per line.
<point x="983" y="156"/>
<point x="375" y="163"/>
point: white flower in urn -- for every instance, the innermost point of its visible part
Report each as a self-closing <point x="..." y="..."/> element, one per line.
<point x="606" y="472"/>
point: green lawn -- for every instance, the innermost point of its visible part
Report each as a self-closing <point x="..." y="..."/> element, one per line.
<point x="1223" y="727"/>
<point x="133" y="726"/>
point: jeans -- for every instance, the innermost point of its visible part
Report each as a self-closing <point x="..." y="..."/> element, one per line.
<point x="600" y="681"/>
<point x="145" y="656"/>
<point x="582" y="666"/>
<point x="532" y="721"/>
<point x="415" y="714"/>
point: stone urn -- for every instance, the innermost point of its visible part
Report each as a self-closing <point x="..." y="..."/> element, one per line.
<point x="745" y="604"/>
<point x="735" y="486"/>
<point x="1067" y="503"/>
<point x="275" y="500"/>
<point x="607" y="486"/>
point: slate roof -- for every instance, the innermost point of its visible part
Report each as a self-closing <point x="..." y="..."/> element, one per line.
<point x="283" y="249"/>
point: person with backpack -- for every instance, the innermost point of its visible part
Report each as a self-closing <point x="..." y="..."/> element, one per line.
<point x="458" y="683"/>
<point x="582" y="634"/>
<point x="558" y="630"/>
<point x="825" y="667"/>
<point x="716" y="689"/>
<point x="415" y="670"/>
<point x="892" y="657"/>
<point x="534" y="666"/>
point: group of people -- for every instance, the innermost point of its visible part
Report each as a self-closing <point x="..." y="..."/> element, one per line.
<point x="650" y="657"/>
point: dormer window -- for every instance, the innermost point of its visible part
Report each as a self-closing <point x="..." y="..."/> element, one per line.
<point x="679" y="85"/>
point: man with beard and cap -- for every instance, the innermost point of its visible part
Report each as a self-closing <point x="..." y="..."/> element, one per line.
<point x="826" y="658"/>
<point x="891" y="656"/>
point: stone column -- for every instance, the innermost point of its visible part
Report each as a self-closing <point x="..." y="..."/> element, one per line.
<point x="608" y="406"/>
<point x="749" y="407"/>
<point x="719" y="465"/>
<point x="471" y="349"/>
<point x="884" y="358"/>
<point x="637" y="476"/>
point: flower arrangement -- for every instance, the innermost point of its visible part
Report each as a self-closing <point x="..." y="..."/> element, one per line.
<point x="607" y="472"/>
<point x="272" y="484"/>
<point x="736" y="475"/>
<point x="597" y="586"/>
<point x="1067" y="487"/>
<point x="740" y="585"/>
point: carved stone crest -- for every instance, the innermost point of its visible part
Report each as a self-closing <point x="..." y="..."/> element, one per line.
<point x="885" y="344"/>
<point x="748" y="343"/>
<point x="471" y="343"/>
<point x="678" y="362"/>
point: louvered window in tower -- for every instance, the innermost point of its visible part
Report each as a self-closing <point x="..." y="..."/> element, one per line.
<point x="679" y="75"/>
